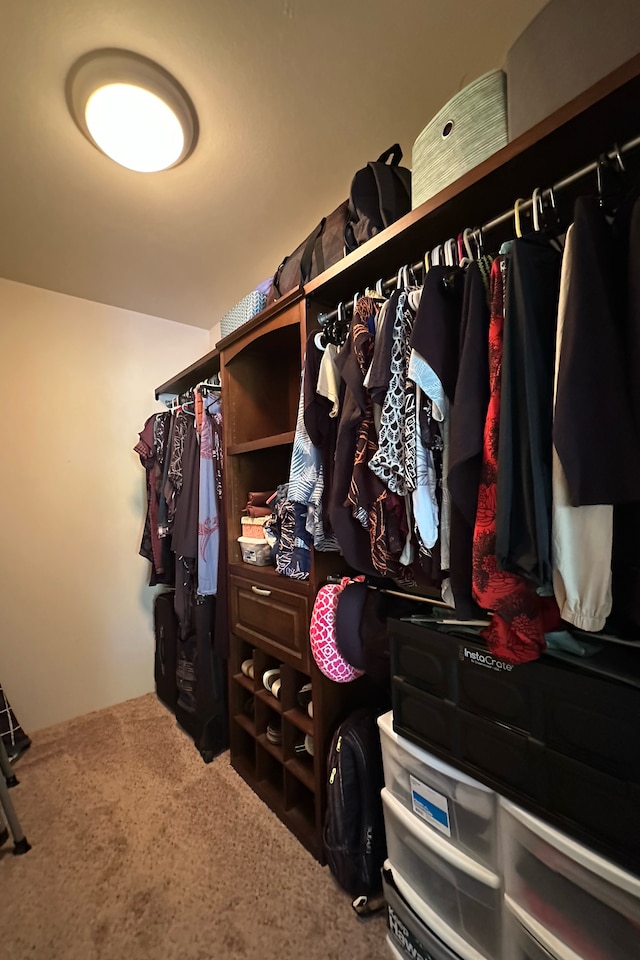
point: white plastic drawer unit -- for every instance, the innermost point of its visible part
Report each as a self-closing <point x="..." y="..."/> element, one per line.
<point x="586" y="902"/>
<point x="526" y="939"/>
<point x="463" y="894"/>
<point x="416" y="932"/>
<point x="451" y="802"/>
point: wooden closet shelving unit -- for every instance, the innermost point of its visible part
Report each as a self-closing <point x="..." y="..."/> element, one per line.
<point x="260" y="366"/>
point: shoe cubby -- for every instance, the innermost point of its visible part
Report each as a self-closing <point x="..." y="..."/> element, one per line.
<point x="269" y="776"/>
<point x="240" y="653"/>
<point x="299" y="805"/>
<point x="268" y="718"/>
<point x="243" y="749"/>
<point x="297" y="759"/>
<point x="293" y="683"/>
<point x="242" y="706"/>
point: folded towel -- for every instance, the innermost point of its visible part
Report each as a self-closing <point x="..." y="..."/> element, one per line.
<point x="256" y="511"/>
<point x="259" y="499"/>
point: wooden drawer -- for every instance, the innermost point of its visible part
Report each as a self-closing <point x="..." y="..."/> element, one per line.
<point x="273" y="619"/>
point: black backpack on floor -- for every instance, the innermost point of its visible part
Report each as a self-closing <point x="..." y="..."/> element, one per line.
<point x="354" y="837"/>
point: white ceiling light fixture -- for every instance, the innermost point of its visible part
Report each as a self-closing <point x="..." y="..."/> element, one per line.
<point x="132" y="110"/>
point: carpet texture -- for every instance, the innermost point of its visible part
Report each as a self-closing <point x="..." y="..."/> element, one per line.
<point x="141" y="851"/>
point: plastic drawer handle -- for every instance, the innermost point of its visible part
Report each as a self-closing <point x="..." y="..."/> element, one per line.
<point x="260" y="591"/>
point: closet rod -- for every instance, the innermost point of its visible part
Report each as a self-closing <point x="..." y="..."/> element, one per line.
<point x="388" y="285"/>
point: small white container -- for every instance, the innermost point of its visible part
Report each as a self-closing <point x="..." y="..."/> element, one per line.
<point x="454" y="804"/>
<point x="586" y="902"/>
<point x="526" y="939"/>
<point x="461" y="892"/>
<point x="255" y="550"/>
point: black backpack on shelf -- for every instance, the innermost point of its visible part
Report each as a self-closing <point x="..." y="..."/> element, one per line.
<point x="380" y="195"/>
<point x="354" y="837"/>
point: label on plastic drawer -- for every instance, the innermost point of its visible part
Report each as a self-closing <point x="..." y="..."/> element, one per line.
<point x="430" y="806"/>
<point x="405" y="939"/>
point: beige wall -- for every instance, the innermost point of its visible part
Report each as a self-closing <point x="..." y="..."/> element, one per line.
<point x="77" y="382"/>
<point x="215" y="334"/>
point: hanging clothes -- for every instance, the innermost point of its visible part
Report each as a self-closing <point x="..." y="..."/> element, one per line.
<point x="306" y="475"/>
<point x="184" y="472"/>
<point x="208" y="522"/>
<point x="521" y="618"/>
<point x="320" y="417"/>
<point x="394" y="462"/>
<point x="523" y="535"/>
<point x="467" y="417"/>
<point x="221" y="631"/>
<point x="582" y="537"/>
<point x="433" y="365"/>
<point x="150" y="448"/>
<point x="594" y="352"/>
<point x="626" y="536"/>
<point x="357" y="494"/>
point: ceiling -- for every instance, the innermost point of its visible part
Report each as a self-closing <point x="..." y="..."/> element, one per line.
<point x="292" y="96"/>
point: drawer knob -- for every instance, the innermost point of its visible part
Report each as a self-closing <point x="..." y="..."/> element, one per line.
<point x="260" y="591"/>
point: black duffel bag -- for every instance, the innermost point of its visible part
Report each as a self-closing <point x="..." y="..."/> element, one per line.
<point x="380" y="195"/>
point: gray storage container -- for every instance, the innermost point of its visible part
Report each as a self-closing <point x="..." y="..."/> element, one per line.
<point x="567" y="48"/>
<point x="470" y="128"/>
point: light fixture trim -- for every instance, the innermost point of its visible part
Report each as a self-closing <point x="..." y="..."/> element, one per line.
<point x="103" y="68"/>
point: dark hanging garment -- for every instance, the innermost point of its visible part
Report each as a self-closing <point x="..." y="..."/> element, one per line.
<point x="357" y="413"/>
<point x="321" y="427"/>
<point x="520" y="616"/>
<point x="150" y="448"/>
<point x="436" y="332"/>
<point x="468" y="414"/>
<point x="594" y="430"/>
<point x="626" y="518"/>
<point x="523" y="535"/>
<point x="436" y="338"/>
<point x="221" y="632"/>
<point x="185" y="523"/>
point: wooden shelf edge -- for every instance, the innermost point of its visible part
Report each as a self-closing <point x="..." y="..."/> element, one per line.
<point x="275" y="751"/>
<point x="272" y="702"/>
<point x="302" y="773"/>
<point x="286" y="301"/>
<point x="245" y="723"/>
<point x="200" y="369"/>
<point x="244" y="682"/>
<point x="277" y="440"/>
<point x="300" y="720"/>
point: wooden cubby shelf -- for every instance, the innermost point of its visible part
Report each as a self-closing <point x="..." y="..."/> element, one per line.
<point x="278" y="440"/>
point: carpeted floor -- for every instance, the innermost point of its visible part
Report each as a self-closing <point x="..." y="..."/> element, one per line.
<point x="141" y="851"/>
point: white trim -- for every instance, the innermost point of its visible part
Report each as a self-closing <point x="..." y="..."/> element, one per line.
<point x="545" y="938"/>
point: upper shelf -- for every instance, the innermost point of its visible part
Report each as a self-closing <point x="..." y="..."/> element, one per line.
<point x="576" y="134"/>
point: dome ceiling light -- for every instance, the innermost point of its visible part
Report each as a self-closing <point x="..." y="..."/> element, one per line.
<point x="132" y="110"/>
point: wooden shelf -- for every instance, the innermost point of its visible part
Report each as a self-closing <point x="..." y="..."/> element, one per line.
<point x="272" y="748"/>
<point x="268" y="698"/>
<point x="201" y="369"/>
<point x="302" y="772"/>
<point x="278" y="440"/>
<point x="245" y="723"/>
<point x="244" y="681"/>
<point x="300" y="720"/>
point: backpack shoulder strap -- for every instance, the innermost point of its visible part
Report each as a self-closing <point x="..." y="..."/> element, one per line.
<point x="387" y="181"/>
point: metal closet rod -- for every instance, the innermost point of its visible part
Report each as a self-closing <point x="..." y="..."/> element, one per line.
<point x="613" y="154"/>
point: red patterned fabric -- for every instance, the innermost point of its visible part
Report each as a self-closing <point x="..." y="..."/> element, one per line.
<point x="521" y="618"/>
<point x="322" y="634"/>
